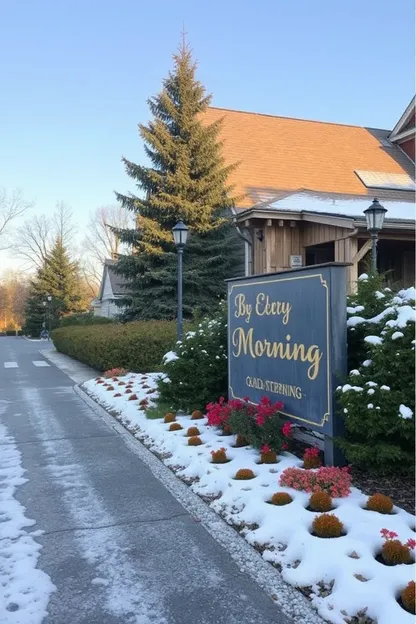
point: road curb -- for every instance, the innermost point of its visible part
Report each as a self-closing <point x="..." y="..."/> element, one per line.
<point x="289" y="600"/>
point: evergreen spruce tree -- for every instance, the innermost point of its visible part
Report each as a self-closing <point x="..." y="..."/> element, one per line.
<point x="59" y="278"/>
<point x="187" y="180"/>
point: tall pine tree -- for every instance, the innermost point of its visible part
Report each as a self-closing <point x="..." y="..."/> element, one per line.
<point x="187" y="180"/>
<point x="58" y="278"/>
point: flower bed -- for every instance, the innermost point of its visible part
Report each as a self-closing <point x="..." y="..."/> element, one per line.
<point x="341" y="574"/>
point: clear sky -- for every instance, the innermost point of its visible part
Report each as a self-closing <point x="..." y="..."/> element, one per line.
<point x="75" y="76"/>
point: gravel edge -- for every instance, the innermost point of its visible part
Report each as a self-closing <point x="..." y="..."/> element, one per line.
<point x="290" y="601"/>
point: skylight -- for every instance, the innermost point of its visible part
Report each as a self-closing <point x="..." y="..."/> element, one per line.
<point x="390" y="181"/>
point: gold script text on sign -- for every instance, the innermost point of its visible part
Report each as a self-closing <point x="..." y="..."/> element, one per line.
<point x="244" y="343"/>
<point x="263" y="307"/>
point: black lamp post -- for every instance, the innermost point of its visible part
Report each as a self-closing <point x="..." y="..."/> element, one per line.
<point x="49" y="315"/>
<point x="374" y="216"/>
<point x="180" y="235"/>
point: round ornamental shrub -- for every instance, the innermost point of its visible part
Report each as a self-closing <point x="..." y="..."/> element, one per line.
<point x="117" y="394"/>
<point x="408" y="597"/>
<point x="193" y="431"/>
<point x="395" y="553"/>
<point x="133" y="397"/>
<point x="268" y="458"/>
<point x="327" y="525"/>
<point x="320" y="501"/>
<point x="175" y="426"/>
<point x="128" y="391"/>
<point x="220" y="456"/>
<point x="244" y="474"/>
<point x="197" y="415"/>
<point x="100" y="381"/>
<point x="240" y="441"/>
<point x="169" y="417"/>
<point x="121" y="383"/>
<point x="381" y="503"/>
<point x="281" y="498"/>
<point x="194" y="441"/>
<point x="110" y="388"/>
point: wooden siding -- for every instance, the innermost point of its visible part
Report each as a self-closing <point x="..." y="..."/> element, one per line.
<point x="316" y="233"/>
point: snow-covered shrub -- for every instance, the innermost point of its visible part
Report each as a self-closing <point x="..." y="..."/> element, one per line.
<point x="334" y="481"/>
<point x="198" y="373"/>
<point x="197" y="415"/>
<point x="327" y="525"/>
<point x="408" y="597"/>
<point x="381" y="503"/>
<point x="378" y="398"/>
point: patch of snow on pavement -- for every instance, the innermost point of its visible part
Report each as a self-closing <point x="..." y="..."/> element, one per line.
<point x="283" y="533"/>
<point x="24" y="589"/>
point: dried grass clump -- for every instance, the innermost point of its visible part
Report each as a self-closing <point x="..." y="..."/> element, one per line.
<point x="269" y="457"/>
<point x="327" y="526"/>
<point x="121" y="383"/>
<point x="117" y="394"/>
<point x="381" y="503"/>
<point x="196" y="415"/>
<point x="169" y="417"/>
<point x="244" y="474"/>
<point x="110" y="388"/>
<point x="320" y="501"/>
<point x="175" y="426"/>
<point x="128" y="391"/>
<point x="281" y="498"/>
<point x="240" y="441"/>
<point x="194" y="441"/>
<point x="133" y="397"/>
<point x="408" y="597"/>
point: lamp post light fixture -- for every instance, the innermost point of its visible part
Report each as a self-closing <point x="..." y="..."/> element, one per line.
<point x="180" y="236"/>
<point x="374" y="216"/>
<point x="49" y="298"/>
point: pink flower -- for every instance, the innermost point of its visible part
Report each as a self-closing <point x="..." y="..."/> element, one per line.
<point x="285" y="446"/>
<point x="411" y="543"/>
<point x="312" y="452"/>
<point x="260" y="420"/>
<point x="265" y="449"/>
<point x="384" y="533"/>
<point x="392" y="535"/>
<point x="287" y="429"/>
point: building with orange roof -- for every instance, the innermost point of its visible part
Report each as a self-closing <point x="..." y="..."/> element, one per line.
<point x="302" y="187"/>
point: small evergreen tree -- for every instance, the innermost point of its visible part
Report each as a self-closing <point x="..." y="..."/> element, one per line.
<point x="58" y="278"/>
<point x="187" y="180"/>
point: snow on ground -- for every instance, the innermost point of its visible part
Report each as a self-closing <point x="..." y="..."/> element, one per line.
<point x="24" y="589"/>
<point x="343" y="574"/>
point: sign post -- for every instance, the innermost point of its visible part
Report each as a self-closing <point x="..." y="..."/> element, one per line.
<point x="287" y="339"/>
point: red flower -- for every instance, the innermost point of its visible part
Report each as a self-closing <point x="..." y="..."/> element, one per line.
<point x="265" y="449"/>
<point x="312" y="452"/>
<point x="260" y="420"/>
<point x="384" y="533"/>
<point x="285" y="446"/>
<point x="287" y="429"/>
<point x="392" y="535"/>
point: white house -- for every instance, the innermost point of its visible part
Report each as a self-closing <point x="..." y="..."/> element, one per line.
<point x="112" y="287"/>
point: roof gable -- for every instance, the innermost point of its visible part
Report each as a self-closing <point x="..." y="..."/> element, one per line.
<point x="280" y="154"/>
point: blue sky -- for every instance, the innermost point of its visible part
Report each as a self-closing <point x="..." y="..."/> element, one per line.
<point x="75" y="76"/>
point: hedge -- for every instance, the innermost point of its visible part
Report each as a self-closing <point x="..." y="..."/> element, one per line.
<point x="85" y="318"/>
<point x="138" y="346"/>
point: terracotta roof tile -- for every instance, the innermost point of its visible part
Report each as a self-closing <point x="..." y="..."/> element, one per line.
<point x="284" y="154"/>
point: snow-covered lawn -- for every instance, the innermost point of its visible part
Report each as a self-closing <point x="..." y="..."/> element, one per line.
<point x="24" y="589"/>
<point x="342" y="575"/>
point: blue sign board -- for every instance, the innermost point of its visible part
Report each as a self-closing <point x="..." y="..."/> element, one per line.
<point x="287" y="337"/>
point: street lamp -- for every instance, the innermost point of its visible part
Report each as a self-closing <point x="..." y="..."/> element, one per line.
<point x="180" y="235"/>
<point x="49" y="298"/>
<point x="374" y="215"/>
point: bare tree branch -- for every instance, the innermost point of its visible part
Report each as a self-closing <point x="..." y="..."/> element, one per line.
<point x="101" y="241"/>
<point x="63" y="223"/>
<point x="33" y="240"/>
<point x="11" y="207"/>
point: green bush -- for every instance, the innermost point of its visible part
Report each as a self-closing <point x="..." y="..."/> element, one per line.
<point x="137" y="346"/>
<point x="199" y="374"/>
<point x="378" y="400"/>
<point x="11" y="332"/>
<point x="84" y="318"/>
